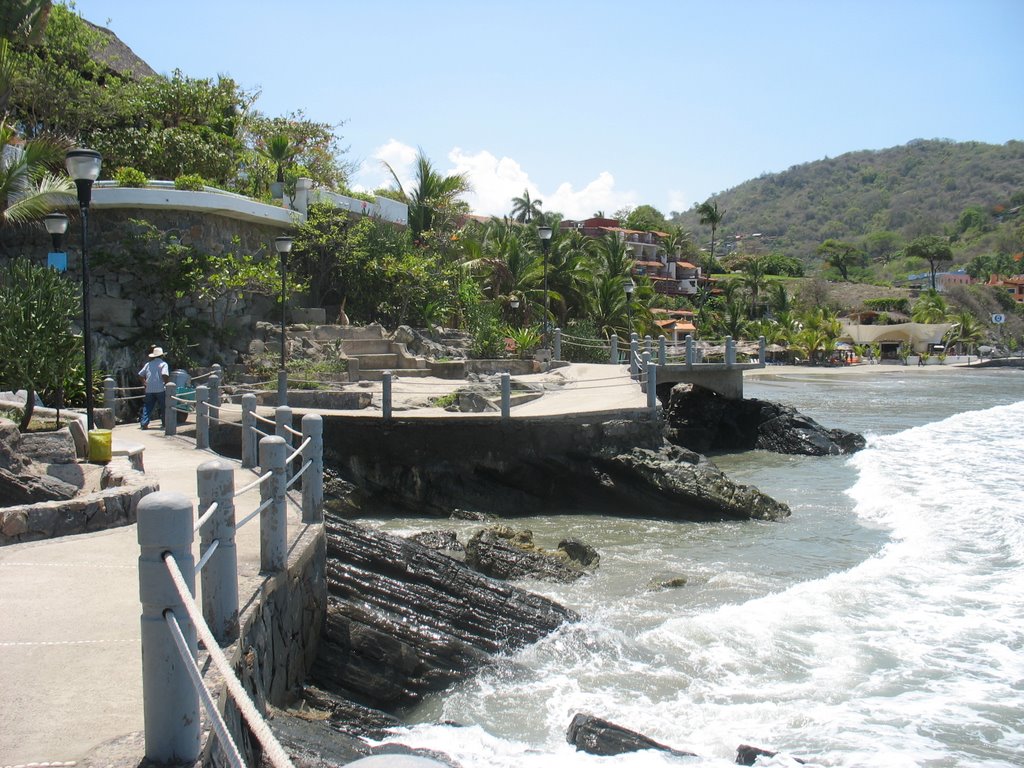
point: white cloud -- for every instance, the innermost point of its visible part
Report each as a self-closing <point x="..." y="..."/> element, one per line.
<point x="495" y="182"/>
<point x="678" y="201"/>
<point x="372" y="174"/>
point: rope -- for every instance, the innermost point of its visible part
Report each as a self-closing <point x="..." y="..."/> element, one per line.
<point x="271" y="748"/>
<point x="255" y="512"/>
<point x="291" y="431"/>
<point x="261" y="432"/>
<point x="254" y="484"/>
<point x="264" y="419"/>
<point x="298" y="474"/>
<point x="228" y="744"/>
<point x="299" y="450"/>
<point x="207" y="555"/>
<point x="206" y="516"/>
<point x="132" y="397"/>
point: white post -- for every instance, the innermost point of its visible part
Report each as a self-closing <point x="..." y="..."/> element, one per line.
<point x="110" y="395"/>
<point x="645" y="365"/>
<point x="689" y="350"/>
<point x="633" y="370"/>
<point x="614" y="356"/>
<point x="214" y="384"/>
<point x="730" y="351"/>
<point x="762" y="349"/>
<point x="216" y="484"/>
<point x="662" y="350"/>
<point x="647" y="344"/>
<point x="652" y="389"/>
<point x="506" y="396"/>
<point x="385" y="395"/>
<point x="202" y="418"/>
<point x="273" y="519"/>
<point x="170" y="702"/>
<point x="249" y="441"/>
<point x="170" y="415"/>
<point x="558" y="343"/>
<point x="282" y="387"/>
<point x="313" y="479"/>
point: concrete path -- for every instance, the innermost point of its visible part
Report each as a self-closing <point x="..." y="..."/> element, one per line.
<point x="70" y="659"/>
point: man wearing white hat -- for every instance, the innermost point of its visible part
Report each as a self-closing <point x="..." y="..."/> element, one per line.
<point x="156" y="374"/>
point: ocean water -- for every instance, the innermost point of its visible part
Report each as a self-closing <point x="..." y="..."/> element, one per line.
<point x="881" y="625"/>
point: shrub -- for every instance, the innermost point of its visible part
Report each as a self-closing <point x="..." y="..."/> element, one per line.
<point x="888" y="304"/>
<point x="126" y="176"/>
<point x="191" y="182"/>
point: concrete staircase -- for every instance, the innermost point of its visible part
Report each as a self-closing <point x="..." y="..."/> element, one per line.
<point x="369" y="353"/>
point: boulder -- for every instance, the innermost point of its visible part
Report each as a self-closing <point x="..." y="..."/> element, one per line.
<point x="747" y="755"/>
<point x="703" y="421"/>
<point x="439" y="541"/>
<point x="403" y="620"/>
<point x="503" y="553"/>
<point x="57" y="447"/>
<point x="27" y="488"/>
<point x="600" y="737"/>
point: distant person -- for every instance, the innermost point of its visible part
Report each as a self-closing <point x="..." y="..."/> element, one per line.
<point x="156" y="375"/>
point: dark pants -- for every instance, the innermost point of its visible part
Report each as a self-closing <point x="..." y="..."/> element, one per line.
<point x="154" y="401"/>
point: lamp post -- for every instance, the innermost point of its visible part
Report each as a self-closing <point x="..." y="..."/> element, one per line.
<point x="56" y="224"/>
<point x="84" y="167"/>
<point x="629" y="286"/>
<point x="283" y="246"/>
<point x="544" y="233"/>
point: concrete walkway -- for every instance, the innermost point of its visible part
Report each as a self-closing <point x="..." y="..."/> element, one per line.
<point x="70" y="659"/>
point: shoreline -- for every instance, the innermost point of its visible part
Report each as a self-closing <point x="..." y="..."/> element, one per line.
<point x="862" y="369"/>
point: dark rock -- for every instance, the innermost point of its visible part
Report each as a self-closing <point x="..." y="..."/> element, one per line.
<point x="472" y="514"/>
<point x="403" y="620"/>
<point x="27" y="488"/>
<point x="747" y="755"/>
<point x="600" y="737"/>
<point x="56" y="447"/>
<point x="444" y="541"/>
<point x="703" y="421"/>
<point x="581" y="553"/>
<point x="503" y="553"/>
<point x="346" y="716"/>
<point x="673" y="582"/>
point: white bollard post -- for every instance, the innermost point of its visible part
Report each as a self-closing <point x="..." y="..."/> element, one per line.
<point x="558" y="343"/>
<point x="313" y="479"/>
<point x="273" y="519"/>
<point x="282" y="387"/>
<point x="652" y="389"/>
<point x="662" y="350"/>
<point x="169" y="415"/>
<point x="730" y="351"/>
<point x="214" y="384"/>
<point x="202" y="418"/>
<point x="215" y="481"/>
<point x="170" y="702"/>
<point x="647" y="344"/>
<point x="249" y="441"/>
<point x="385" y="396"/>
<point x="506" y="396"/>
<point x="110" y="395"/>
<point x="614" y="356"/>
<point x="633" y="347"/>
<point x="762" y="349"/>
<point x="645" y="365"/>
<point x="689" y="350"/>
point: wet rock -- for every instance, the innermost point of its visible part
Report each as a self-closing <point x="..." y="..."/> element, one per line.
<point x="747" y="755"/>
<point x="503" y="553"/>
<point x="439" y="541"/>
<point x="581" y="553"/>
<point x="403" y="620"/>
<point x="600" y="737"/>
<point x="704" y="421"/>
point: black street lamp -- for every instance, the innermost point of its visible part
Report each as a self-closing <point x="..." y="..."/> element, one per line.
<point x="56" y="224"/>
<point x="283" y="246"/>
<point x="629" y="286"/>
<point x="544" y="233"/>
<point x="84" y="167"/>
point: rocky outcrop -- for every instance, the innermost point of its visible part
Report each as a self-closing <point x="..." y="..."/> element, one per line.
<point x="600" y="737"/>
<point x="503" y="553"/>
<point x="404" y="620"/>
<point x="22" y="479"/>
<point x="701" y="420"/>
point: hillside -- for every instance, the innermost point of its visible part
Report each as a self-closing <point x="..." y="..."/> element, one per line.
<point x="920" y="188"/>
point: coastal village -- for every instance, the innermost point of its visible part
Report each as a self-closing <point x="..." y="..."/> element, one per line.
<point x="213" y="373"/>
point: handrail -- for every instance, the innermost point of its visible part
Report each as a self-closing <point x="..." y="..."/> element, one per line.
<point x="206" y="516"/>
<point x="271" y="747"/>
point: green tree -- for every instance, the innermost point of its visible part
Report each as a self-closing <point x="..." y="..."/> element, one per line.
<point x="646" y="218"/>
<point x="966" y="333"/>
<point x="709" y="215"/>
<point x="37" y="344"/>
<point x="24" y="21"/>
<point x="755" y="279"/>
<point x="433" y="201"/>
<point x="930" y="307"/>
<point x="841" y="256"/>
<point x="525" y="209"/>
<point x="930" y="248"/>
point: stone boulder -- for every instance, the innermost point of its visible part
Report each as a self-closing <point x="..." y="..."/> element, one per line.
<point x="423" y="346"/>
<point x="704" y="421"/>
<point x="403" y="620"/>
<point x="600" y="737"/>
<point x="24" y="481"/>
<point x="503" y="553"/>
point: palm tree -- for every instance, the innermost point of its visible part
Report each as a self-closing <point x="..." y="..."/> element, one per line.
<point x="967" y="331"/>
<point x="433" y="197"/>
<point x="509" y="266"/>
<point x="930" y="308"/>
<point x="281" y="152"/>
<point x="710" y="216"/>
<point x="571" y="273"/>
<point x="525" y="209"/>
<point x="755" y="278"/>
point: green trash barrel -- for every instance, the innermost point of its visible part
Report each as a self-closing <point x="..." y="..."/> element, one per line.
<point x="100" y="445"/>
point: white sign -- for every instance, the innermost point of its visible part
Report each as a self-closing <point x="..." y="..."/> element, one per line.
<point x="998" y="319"/>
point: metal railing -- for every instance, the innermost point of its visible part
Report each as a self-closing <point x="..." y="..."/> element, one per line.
<point x="173" y="687"/>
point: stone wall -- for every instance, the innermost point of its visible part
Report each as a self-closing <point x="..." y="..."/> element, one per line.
<point x="122" y="304"/>
<point x="114" y="506"/>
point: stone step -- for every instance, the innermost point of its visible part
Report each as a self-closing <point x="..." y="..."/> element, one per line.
<point x="379" y="361"/>
<point x="377" y="374"/>
<point x="360" y="347"/>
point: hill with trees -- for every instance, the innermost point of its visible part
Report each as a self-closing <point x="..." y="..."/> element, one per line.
<point x="878" y="200"/>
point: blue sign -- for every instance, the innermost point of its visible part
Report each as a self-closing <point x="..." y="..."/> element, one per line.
<point x="58" y="261"/>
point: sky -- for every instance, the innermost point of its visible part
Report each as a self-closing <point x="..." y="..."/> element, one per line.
<point x="596" y="106"/>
